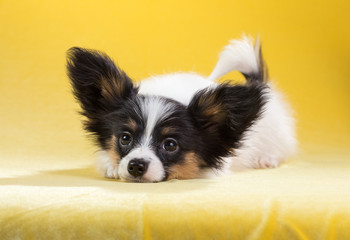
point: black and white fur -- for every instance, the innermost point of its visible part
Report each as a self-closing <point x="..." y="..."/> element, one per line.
<point x="182" y="125"/>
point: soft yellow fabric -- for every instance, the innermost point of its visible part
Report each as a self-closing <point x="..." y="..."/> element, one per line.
<point x="304" y="199"/>
<point x="48" y="187"/>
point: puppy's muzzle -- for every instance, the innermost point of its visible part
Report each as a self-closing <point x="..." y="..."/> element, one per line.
<point x="137" y="167"/>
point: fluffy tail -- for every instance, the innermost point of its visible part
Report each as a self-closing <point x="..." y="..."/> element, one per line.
<point x="243" y="56"/>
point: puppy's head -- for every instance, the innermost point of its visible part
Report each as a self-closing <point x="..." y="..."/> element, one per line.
<point x="152" y="138"/>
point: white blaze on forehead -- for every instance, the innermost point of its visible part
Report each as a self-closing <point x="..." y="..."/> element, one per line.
<point x="154" y="109"/>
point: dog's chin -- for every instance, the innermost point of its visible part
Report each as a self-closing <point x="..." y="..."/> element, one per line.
<point x="137" y="179"/>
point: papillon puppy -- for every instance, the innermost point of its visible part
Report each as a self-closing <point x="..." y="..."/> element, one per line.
<point x="182" y="125"/>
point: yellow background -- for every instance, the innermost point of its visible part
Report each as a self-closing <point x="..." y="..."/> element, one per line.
<point x="306" y="45"/>
<point x="48" y="188"/>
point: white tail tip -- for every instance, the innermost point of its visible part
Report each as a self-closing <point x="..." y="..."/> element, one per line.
<point x="240" y="55"/>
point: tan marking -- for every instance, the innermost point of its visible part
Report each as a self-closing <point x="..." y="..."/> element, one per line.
<point x="110" y="88"/>
<point x="188" y="169"/>
<point x="112" y="153"/>
<point x="207" y="100"/>
<point x="212" y="110"/>
<point x="167" y="130"/>
<point x="132" y="125"/>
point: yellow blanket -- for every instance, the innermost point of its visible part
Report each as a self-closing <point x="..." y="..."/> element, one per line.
<point x="303" y="199"/>
<point x="48" y="186"/>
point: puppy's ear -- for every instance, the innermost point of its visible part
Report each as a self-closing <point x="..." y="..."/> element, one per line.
<point x="223" y="114"/>
<point x="97" y="82"/>
<point x="98" y="85"/>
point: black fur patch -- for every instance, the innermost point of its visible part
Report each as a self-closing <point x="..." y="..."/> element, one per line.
<point x="222" y="115"/>
<point x="117" y="122"/>
<point x="183" y="131"/>
<point x="99" y="86"/>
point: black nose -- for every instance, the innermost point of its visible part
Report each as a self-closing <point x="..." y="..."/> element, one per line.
<point x="137" y="167"/>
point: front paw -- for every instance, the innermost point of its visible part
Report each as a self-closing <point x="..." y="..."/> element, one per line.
<point x="111" y="172"/>
<point x="106" y="167"/>
<point x="268" y="162"/>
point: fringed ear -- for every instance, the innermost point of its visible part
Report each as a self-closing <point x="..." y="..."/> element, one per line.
<point x="223" y="114"/>
<point x="98" y="85"/>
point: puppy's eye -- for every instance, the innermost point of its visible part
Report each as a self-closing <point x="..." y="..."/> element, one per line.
<point x="170" y="145"/>
<point x="125" y="139"/>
